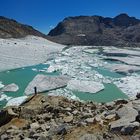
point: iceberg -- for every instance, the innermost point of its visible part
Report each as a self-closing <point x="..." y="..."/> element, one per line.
<point x="46" y="83"/>
<point x="1" y="85"/>
<point x="85" y="86"/>
<point x="10" y="88"/>
<point x="17" y="101"/>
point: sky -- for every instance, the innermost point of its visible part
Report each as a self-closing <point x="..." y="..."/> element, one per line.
<point x="46" y="14"/>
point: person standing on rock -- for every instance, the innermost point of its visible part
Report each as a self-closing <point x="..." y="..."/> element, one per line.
<point x="35" y="89"/>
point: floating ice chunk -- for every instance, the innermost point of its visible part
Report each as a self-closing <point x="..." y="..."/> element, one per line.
<point x="46" y="83"/>
<point x="4" y="97"/>
<point x="85" y="86"/>
<point x="10" y="88"/>
<point x="42" y="70"/>
<point x="54" y="68"/>
<point x="65" y="93"/>
<point x="17" y="101"/>
<point x="130" y="85"/>
<point x="1" y="85"/>
<point x="91" y="51"/>
<point x="34" y="69"/>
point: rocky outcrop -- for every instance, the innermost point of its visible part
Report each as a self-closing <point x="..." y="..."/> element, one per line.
<point x="10" y="28"/>
<point x="121" y="30"/>
<point x="55" y="118"/>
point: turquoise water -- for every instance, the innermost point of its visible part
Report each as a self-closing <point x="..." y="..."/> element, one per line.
<point x="23" y="76"/>
<point x="106" y="72"/>
<point x="110" y="93"/>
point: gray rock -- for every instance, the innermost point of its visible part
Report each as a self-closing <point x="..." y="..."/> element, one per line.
<point x="138" y="95"/>
<point x="46" y="83"/>
<point x="34" y="126"/>
<point x="60" y="130"/>
<point x="88" y="137"/>
<point x="121" y="101"/>
<point x="128" y="113"/>
<point x="110" y="117"/>
<point x="27" y="139"/>
<point x="10" y="88"/>
<point x="119" y="124"/>
<point x="89" y="120"/>
<point x="4" y="137"/>
<point x="42" y="137"/>
<point x="129" y="129"/>
<point x="68" y="119"/>
<point x="136" y="137"/>
<point x="124" y="125"/>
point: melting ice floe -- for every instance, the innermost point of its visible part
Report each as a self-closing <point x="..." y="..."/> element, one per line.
<point x="46" y="83"/>
<point x="1" y="85"/>
<point x="63" y="92"/>
<point x="78" y="62"/>
<point x="85" y="86"/>
<point x="17" y="101"/>
<point x="130" y="85"/>
<point x="4" y="97"/>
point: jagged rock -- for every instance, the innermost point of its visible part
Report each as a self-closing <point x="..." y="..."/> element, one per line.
<point x="34" y="126"/>
<point x="10" y="88"/>
<point x="127" y="116"/>
<point x="138" y="95"/>
<point x="42" y="137"/>
<point x="110" y="117"/>
<point x="88" y="137"/>
<point x="90" y="120"/>
<point x="60" y="130"/>
<point x="68" y="119"/>
<point x="129" y="129"/>
<point x="6" y="116"/>
<point x="121" y="101"/>
<point x="128" y="113"/>
<point x="46" y="83"/>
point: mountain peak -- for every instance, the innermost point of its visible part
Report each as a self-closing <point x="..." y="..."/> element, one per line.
<point x="10" y="28"/>
<point x="97" y="30"/>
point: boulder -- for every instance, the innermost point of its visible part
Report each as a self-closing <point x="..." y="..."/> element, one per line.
<point x="10" y="88"/>
<point x="127" y="116"/>
<point x="45" y="83"/>
<point x="127" y="112"/>
<point x="34" y="126"/>
<point x="138" y="95"/>
<point x="88" y="137"/>
<point x="129" y="129"/>
<point x="68" y="119"/>
<point x="89" y="120"/>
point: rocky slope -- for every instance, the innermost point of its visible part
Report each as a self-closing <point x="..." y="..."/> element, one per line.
<point x="10" y="28"/>
<point x="121" y="30"/>
<point x="57" y="118"/>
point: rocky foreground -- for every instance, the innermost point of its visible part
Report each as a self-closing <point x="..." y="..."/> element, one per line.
<point x="57" y="118"/>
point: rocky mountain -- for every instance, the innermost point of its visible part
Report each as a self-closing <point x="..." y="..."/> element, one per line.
<point x="11" y="28"/>
<point x="121" y="30"/>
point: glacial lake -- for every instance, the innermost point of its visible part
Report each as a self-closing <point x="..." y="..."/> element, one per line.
<point x="23" y="76"/>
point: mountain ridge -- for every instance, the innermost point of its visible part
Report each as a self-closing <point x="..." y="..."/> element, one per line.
<point x="10" y="28"/>
<point x="121" y="30"/>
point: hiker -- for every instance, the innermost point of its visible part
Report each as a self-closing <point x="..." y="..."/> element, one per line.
<point x="35" y="89"/>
